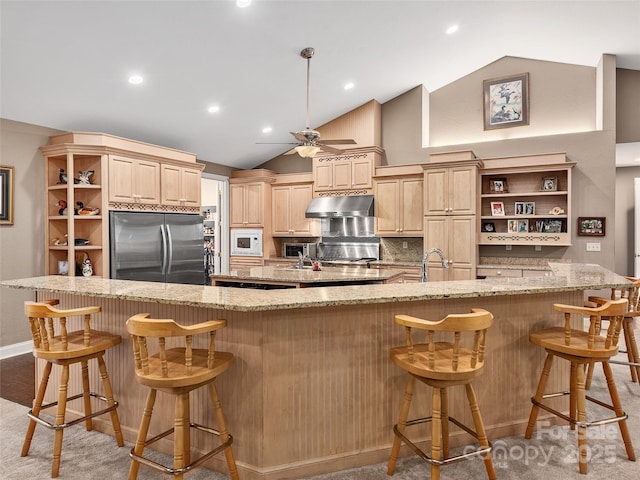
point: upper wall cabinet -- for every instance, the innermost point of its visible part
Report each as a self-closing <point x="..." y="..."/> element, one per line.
<point x="181" y="186"/>
<point x="398" y="197"/>
<point x="288" y="206"/>
<point x="134" y="181"/>
<point x="347" y="174"/>
<point x="249" y="197"/>
<point x="451" y="190"/>
<point x="526" y="204"/>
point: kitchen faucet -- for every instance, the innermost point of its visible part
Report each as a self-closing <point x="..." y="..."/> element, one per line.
<point x="301" y="258"/>
<point x="425" y="258"/>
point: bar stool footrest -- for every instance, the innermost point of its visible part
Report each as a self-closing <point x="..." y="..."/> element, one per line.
<point x="445" y="461"/>
<point x="61" y="426"/>
<point x="178" y="471"/>
<point x="573" y="421"/>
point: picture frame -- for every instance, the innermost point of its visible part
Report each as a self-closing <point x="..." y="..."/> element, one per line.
<point x="498" y="185"/>
<point x="549" y="184"/>
<point x="512" y="226"/>
<point x="488" y="227"/>
<point x="497" y="209"/>
<point x="591" y="226"/>
<point x="6" y="195"/>
<point x="523" y="226"/>
<point x="518" y="208"/>
<point x="506" y="101"/>
<point x="552" y="226"/>
<point x="529" y="208"/>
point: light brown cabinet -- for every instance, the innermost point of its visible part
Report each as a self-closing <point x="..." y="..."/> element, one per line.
<point x="288" y="206"/>
<point x="398" y="206"/>
<point x="345" y="172"/>
<point x="246" y="204"/>
<point x="181" y="185"/>
<point x="456" y="237"/>
<point x="451" y="190"/>
<point x="134" y="181"/>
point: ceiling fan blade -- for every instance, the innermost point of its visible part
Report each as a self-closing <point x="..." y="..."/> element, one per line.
<point x="299" y="136"/>
<point x="342" y="141"/>
<point x="276" y="143"/>
<point x="326" y="148"/>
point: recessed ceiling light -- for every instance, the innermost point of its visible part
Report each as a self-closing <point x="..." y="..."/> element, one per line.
<point x="243" y="3"/>
<point x="267" y="130"/>
<point x="452" y="29"/>
<point x="136" y="79"/>
<point x="213" y="109"/>
<point x="349" y="86"/>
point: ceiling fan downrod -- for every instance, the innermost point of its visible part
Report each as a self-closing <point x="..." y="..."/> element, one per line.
<point x="308" y="53"/>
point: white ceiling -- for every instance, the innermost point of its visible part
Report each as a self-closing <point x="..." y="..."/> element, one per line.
<point x="65" y="64"/>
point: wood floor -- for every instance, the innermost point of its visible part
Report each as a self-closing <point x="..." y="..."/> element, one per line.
<point x="17" y="379"/>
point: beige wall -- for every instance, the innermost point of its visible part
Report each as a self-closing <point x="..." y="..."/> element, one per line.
<point x="627" y="106"/>
<point x="21" y="244"/>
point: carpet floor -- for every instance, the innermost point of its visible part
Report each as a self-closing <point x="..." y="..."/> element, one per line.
<point x="549" y="454"/>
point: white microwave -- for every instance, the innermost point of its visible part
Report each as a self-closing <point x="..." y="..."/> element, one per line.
<point x="246" y="243"/>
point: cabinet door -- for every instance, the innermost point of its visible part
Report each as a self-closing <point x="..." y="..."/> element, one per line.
<point x="121" y="180"/>
<point x="436" y="189"/>
<point x="361" y="173"/>
<point x="436" y="235"/>
<point x="461" y="249"/>
<point x="280" y="208"/>
<point x="300" y="198"/>
<point x="236" y="205"/>
<point x="323" y="176"/>
<point x="147" y="179"/>
<point x="342" y="175"/>
<point x="171" y="185"/>
<point x="411" y="207"/>
<point x="191" y="186"/>
<point x="462" y="190"/>
<point x="254" y="204"/>
<point x="386" y="207"/>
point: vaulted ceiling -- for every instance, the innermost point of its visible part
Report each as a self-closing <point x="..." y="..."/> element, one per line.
<point x="65" y="64"/>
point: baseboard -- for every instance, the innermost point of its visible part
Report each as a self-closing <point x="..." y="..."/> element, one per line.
<point x="15" y="349"/>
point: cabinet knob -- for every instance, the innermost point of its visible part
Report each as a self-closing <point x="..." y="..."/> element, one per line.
<point x="498" y="272"/>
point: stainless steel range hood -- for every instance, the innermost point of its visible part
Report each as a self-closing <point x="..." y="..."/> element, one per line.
<point x="349" y="206"/>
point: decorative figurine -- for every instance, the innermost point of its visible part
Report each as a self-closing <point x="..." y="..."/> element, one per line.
<point x="85" y="175"/>
<point x="62" y="177"/>
<point x="62" y="205"/>
<point x="87" y="268"/>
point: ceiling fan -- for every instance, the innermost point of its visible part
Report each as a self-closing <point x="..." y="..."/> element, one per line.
<point x="309" y="143"/>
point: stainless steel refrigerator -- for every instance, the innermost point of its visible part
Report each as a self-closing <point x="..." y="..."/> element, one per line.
<point x="157" y="247"/>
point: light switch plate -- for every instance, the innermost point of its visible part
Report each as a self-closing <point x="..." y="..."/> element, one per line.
<point x="405" y="245"/>
<point x="593" y="246"/>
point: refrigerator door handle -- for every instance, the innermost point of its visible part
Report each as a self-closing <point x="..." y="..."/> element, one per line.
<point x="164" y="249"/>
<point x="170" y="242"/>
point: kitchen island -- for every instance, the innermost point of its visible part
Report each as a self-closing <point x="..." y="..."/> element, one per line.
<point x="294" y="277"/>
<point x="312" y="389"/>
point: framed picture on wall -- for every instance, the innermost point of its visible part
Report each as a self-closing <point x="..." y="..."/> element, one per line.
<point x="6" y="195"/>
<point x="591" y="226"/>
<point x="506" y="101"/>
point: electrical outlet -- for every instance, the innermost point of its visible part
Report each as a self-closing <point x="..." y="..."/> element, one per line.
<point x="593" y="246"/>
<point x="509" y="247"/>
<point x="538" y="248"/>
<point x="405" y="245"/>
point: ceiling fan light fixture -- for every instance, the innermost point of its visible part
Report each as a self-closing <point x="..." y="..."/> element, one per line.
<point x="307" y="151"/>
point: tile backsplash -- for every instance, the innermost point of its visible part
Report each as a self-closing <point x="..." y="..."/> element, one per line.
<point x="392" y="249"/>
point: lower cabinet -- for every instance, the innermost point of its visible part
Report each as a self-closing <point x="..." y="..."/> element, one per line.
<point x="456" y="237"/>
<point x="245" y="262"/>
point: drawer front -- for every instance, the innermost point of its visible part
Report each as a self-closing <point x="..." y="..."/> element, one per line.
<point x="499" y="272"/>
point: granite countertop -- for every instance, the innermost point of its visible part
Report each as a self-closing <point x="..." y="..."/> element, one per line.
<point x="307" y="275"/>
<point x="566" y="277"/>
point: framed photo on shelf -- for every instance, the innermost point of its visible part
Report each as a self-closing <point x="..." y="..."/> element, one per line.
<point x="488" y="227"/>
<point x="506" y="101"/>
<point x="512" y="226"/>
<point x="523" y="226"/>
<point x="530" y="208"/>
<point x="591" y="226"/>
<point x="552" y="226"/>
<point x="519" y="208"/>
<point x="6" y="195"/>
<point x="498" y="185"/>
<point x="549" y="184"/>
<point x="497" y="209"/>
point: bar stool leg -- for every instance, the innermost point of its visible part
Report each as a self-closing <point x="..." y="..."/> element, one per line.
<point x="480" y="431"/>
<point x="179" y="433"/>
<point x="142" y="433"/>
<point x="86" y="397"/>
<point x="402" y="423"/>
<point x="445" y="422"/>
<point x="436" y="431"/>
<point x="581" y="416"/>
<point x="542" y="384"/>
<point x="224" y="434"/>
<point x="617" y="408"/>
<point x="108" y="393"/>
<point x="37" y="406"/>
<point x="573" y="405"/>
<point x="632" y="348"/>
<point x="60" y="414"/>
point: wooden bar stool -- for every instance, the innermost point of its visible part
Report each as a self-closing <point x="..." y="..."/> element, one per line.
<point x="177" y="371"/>
<point x="443" y="364"/>
<point x="632" y="294"/>
<point x="53" y="343"/>
<point x="582" y="349"/>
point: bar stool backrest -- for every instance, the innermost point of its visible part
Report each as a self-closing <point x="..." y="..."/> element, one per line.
<point x="631" y="293"/>
<point x="161" y="360"/>
<point x="447" y="334"/>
